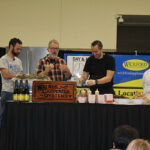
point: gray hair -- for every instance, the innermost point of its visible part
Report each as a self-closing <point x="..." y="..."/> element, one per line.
<point x="53" y="41"/>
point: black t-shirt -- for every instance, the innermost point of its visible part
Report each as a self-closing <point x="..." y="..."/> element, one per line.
<point x="97" y="69"/>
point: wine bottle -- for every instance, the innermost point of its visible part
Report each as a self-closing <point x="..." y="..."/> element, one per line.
<point x="21" y="91"/>
<point x="15" y="94"/>
<point x="26" y="91"/>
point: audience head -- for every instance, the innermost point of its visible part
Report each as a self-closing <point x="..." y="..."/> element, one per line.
<point x="123" y="135"/>
<point x="139" y="144"/>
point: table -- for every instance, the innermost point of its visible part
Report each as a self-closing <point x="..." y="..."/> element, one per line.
<point x="68" y="126"/>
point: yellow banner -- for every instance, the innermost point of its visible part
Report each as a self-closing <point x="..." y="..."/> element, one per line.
<point x="133" y="83"/>
<point x="127" y="92"/>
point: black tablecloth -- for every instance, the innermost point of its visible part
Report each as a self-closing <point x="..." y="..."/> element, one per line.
<point x="67" y="126"/>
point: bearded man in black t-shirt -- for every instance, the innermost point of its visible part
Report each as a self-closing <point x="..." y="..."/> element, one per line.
<point x="100" y="69"/>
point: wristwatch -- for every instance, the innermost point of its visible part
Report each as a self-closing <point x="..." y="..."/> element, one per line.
<point x="96" y="81"/>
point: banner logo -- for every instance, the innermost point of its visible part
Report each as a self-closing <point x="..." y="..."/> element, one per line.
<point x="135" y="65"/>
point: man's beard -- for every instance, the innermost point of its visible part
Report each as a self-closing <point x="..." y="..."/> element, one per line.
<point x="53" y="55"/>
<point x="14" y="53"/>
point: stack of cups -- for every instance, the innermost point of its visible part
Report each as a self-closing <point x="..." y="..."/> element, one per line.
<point x="101" y="99"/>
<point x="96" y="98"/>
<point x="91" y="97"/>
<point x="109" y="98"/>
<point x="82" y="98"/>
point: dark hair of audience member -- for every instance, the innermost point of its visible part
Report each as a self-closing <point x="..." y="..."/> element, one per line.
<point x="123" y="135"/>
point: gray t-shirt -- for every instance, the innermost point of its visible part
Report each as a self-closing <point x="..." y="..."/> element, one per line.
<point x="14" y="66"/>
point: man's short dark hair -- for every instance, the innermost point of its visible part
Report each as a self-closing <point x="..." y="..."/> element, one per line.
<point x="123" y="135"/>
<point x="98" y="43"/>
<point x="14" y="41"/>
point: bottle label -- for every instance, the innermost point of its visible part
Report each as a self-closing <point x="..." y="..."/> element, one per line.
<point x="15" y="97"/>
<point x="18" y="97"/>
<point x="21" y="97"/>
<point x="26" y="97"/>
<point x="83" y="93"/>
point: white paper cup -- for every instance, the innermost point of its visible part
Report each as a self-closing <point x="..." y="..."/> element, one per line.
<point x="91" y="98"/>
<point x="109" y="98"/>
<point x="101" y="99"/>
<point x="82" y="99"/>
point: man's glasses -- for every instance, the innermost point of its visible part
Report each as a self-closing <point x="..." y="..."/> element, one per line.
<point x="53" y="48"/>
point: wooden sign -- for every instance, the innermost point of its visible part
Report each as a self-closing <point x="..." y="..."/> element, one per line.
<point x="54" y="91"/>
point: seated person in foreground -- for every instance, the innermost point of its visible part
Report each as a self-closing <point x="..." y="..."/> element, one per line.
<point x="52" y="65"/>
<point x="123" y="135"/>
<point x="139" y="144"/>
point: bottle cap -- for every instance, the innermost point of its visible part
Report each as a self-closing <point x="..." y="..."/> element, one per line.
<point x="97" y="92"/>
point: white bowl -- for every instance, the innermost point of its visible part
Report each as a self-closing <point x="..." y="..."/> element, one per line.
<point x="139" y="101"/>
<point x="121" y="100"/>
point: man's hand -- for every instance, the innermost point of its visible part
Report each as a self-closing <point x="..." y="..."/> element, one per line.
<point x="49" y="67"/>
<point x="66" y="71"/>
<point x="84" y="77"/>
<point x="90" y="82"/>
<point x="63" y="67"/>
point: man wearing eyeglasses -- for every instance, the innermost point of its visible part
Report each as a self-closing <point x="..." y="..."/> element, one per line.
<point x="52" y="65"/>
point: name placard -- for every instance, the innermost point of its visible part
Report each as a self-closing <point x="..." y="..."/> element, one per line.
<point x="54" y="91"/>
